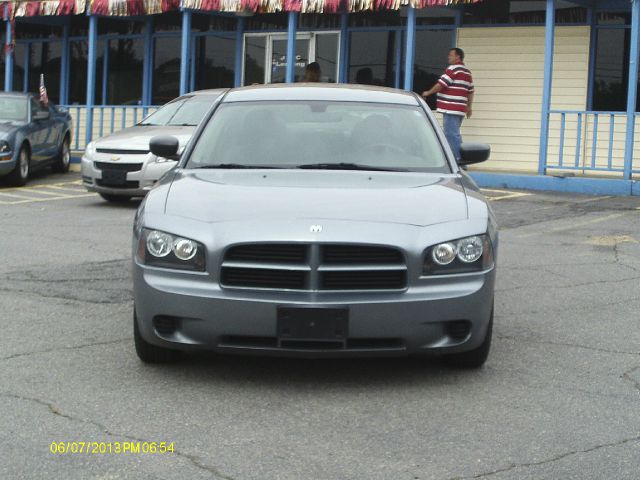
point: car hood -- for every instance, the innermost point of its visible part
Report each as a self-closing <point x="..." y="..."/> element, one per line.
<point x="137" y="137"/>
<point x="389" y="197"/>
<point x="7" y="128"/>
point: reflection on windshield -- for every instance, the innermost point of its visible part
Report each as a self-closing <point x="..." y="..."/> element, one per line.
<point x="185" y="111"/>
<point x="321" y="136"/>
<point x="13" y="109"/>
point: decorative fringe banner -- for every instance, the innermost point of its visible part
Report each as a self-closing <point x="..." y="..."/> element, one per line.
<point x="45" y="7"/>
<point x="149" y="7"/>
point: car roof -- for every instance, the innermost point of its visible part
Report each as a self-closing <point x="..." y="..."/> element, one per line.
<point x="15" y="94"/>
<point x="321" y="92"/>
<point x="210" y="91"/>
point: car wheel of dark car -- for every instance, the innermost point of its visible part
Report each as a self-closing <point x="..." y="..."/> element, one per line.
<point x="149" y="353"/>
<point x="473" y="358"/>
<point x="20" y="174"/>
<point x="63" y="160"/>
<point x="115" y="198"/>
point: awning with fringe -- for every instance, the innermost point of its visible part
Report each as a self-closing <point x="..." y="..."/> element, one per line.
<point x="150" y="7"/>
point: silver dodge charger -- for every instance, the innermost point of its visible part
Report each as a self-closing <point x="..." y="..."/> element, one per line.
<point x="308" y="220"/>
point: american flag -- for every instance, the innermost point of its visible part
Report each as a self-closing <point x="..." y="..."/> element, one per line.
<point x="43" y="91"/>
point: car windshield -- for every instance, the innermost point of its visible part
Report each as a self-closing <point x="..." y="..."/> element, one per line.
<point x="182" y="111"/>
<point x="13" y="109"/>
<point x="319" y="135"/>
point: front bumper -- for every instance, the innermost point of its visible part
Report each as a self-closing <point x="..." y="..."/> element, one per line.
<point x="415" y="321"/>
<point x="7" y="163"/>
<point x="138" y="183"/>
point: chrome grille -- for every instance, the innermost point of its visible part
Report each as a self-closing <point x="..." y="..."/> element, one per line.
<point x="314" y="267"/>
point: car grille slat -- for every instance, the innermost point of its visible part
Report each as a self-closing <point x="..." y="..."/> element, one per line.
<point x="357" y="254"/>
<point x="121" y="167"/>
<point x="275" y="253"/>
<point x="119" y="151"/>
<point x="289" y="266"/>
<point x="260" y="278"/>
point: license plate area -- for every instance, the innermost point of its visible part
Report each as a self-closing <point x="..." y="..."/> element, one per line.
<point x="311" y="324"/>
<point x="114" y="178"/>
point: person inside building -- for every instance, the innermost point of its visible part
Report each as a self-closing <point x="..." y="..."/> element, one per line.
<point x="312" y="72"/>
<point x="455" y="96"/>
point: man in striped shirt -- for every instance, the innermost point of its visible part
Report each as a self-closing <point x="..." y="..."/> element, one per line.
<point x="455" y="96"/>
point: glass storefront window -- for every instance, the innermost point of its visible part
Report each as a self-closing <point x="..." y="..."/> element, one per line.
<point x="611" y="70"/>
<point x="372" y="58"/>
<point x="44" y="58"/>
<point x="166" y="70"/>
<point x="78" y="50"/>
<point x="327" y="56"/>
<point x="124" y="78"/>
<point x="18" y="66"/>
<point x="215" y="62"/>
<point x="383" y="18"/>
<point x="255" y="48"/>
<point x="432" y="48"/>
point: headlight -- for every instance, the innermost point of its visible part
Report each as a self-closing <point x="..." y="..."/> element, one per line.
<point x="161" y="249"/>
<point x="4" y="147"/>
<point x="465" y="255"/>
<point x="91" y="149"/>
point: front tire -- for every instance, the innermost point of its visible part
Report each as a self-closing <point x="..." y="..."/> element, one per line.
<point x="149" y="353"/>
<point x="115" y="198"/>
<point x="473" y="358"/>
<point x="63" y="160"/>
<point x="20" y="174"/>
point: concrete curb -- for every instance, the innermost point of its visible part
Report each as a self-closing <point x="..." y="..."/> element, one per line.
<point x="591" y="186"/>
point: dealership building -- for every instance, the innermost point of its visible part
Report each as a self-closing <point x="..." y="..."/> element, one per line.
<point x="556" y="80"/>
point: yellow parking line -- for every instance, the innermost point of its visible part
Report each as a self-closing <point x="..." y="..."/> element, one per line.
<point x="17" y="196"/>
<point x="505" y="194"/>
<point x="65" y="197"/>
<point x="66" y="189"/>
<point x="575" y="225"/>
<point x="40" y="191"/>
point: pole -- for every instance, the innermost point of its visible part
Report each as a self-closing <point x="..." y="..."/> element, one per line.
<point x="546" y="89"/>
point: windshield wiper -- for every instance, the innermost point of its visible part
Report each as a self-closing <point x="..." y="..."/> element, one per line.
<point x="182" y="124"/>
<point x="348" y="166"/>
<point x="149" y="125"/>
<point x="234" y="165"/>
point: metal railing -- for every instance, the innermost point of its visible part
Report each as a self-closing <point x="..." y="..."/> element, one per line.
<point x="106" y="120"/>
<point x="589" y="141"/>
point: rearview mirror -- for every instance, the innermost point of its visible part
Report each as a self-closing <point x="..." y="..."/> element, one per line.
<point x="165" y="146"/>
<point x="472" y="152"/>
<point x="41" y="115"/>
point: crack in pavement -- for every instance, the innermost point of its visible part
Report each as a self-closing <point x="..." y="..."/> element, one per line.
<point x="194" y="459"/>
<point x="585" y="284"/>
<point x="514" y="466"/>
<point x="67" y="298"/>
<point x="561" y="344"/>
<point x="627" y="376"/>
<point x="60" y="349"/>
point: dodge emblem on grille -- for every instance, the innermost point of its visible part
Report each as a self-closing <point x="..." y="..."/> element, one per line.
<point x="315" y="228"/>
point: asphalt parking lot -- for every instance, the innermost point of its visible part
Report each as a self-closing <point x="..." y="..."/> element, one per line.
<point x="559" y="397"/>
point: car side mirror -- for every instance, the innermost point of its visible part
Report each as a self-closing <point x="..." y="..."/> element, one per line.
<point x="472" y="152"/>
<point x="165" y="146"/>
<point x="41" y="115"/>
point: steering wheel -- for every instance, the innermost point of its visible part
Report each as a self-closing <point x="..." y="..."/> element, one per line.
<point x="383" y="147"/>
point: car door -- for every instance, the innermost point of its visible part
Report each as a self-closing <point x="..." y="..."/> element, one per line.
<point x="39" y="129"/>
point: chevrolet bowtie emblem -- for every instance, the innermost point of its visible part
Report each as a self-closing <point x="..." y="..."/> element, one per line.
<point x="115" y="158"/>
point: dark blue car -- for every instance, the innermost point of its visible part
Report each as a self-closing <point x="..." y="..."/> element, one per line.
<point x="32" y="136"/>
